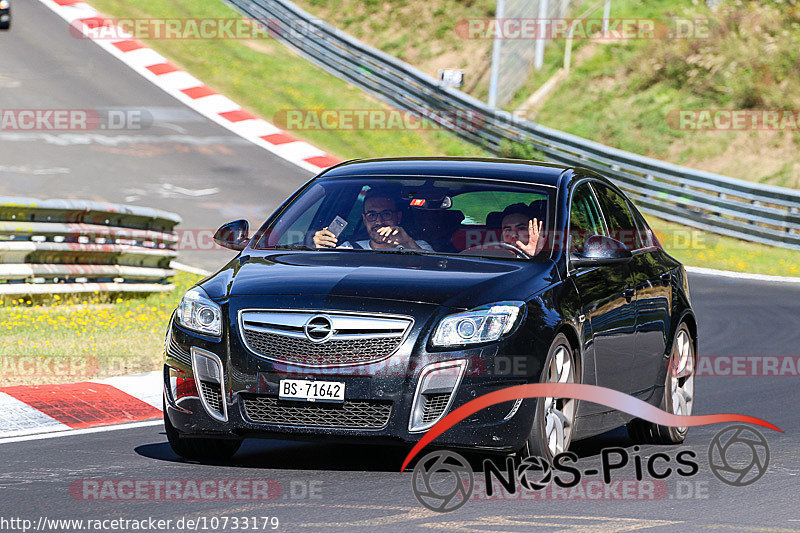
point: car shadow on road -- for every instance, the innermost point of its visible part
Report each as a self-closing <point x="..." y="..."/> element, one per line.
<point x="291" y="455"/>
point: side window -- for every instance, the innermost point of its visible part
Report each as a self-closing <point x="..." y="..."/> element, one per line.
<point x="621" y="225"/>
<point x="645" y="238"/>
<point x="297" y="232"/>
<point x="585" y="218"/>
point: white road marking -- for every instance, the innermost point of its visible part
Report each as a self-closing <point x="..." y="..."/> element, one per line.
<point x="741" y="275"/>
<point x="24" y="169"/>
<point x="81" y="139"/>
<point x="84" y="431"/>
<point x="190" y="192"/>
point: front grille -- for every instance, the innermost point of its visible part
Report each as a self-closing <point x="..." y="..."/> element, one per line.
<point x="213" y="395"/>
<point x="340" y="338"/>
<point x="352" y="414"/>
<point x="332" y="352"/>
<point x="435" y="404"/>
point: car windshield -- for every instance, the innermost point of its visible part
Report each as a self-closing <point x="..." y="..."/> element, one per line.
<point x="414" y="215"/>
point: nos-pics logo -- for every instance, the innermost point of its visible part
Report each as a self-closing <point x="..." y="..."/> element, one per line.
<point x="443" y="481"/>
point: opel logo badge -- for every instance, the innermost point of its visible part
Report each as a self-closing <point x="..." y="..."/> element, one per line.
<point x="318" y="328"/>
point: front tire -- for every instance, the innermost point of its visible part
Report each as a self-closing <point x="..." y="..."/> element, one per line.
<point x="554" y="420"/>
<point x="199" y="449"/>
<point x="678" y="394"/>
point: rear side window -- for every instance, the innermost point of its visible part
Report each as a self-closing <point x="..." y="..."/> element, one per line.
<point x="621" y="225"/>
<point x="645" y="237"/>
<point x="585" y="218"/>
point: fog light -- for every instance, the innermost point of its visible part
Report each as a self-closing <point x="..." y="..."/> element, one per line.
<point x="207" y="369"/>
<point x="180" y="386"/>
<point x="436" y="389"/>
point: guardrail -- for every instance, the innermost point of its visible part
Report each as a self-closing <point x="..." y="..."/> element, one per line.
<point x="708" y="201"/>
<point x="76" y="246"/>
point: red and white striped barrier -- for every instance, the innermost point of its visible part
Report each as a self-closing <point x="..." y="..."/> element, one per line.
<point x="188" y="89"/>
<point x="35" y="409"/>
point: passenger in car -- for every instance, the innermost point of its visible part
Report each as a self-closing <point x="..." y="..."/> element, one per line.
<point x="521" y="227"/>
<point x="382" y="220"/>
<point x="437" y="227"/>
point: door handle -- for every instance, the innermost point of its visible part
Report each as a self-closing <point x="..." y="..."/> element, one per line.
<point x="629" y="294"/>
<point x="666" y="277"/>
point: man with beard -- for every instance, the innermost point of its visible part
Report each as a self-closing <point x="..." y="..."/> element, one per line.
<point x="382" y="219"/>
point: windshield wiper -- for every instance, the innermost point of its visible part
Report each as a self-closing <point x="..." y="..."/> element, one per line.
<point x="294" y="247"/>
<point x="410" y="251"/>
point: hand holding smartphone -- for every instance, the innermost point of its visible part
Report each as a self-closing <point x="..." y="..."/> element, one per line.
<point x="329" y="237"/>
<point x="337" y="226"/>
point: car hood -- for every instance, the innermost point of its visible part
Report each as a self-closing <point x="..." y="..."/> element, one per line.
<point x="461" y="282"/>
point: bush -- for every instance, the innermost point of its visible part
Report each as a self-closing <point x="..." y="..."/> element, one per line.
<point x="518" y="150"/>
<point x="751" y="58"/>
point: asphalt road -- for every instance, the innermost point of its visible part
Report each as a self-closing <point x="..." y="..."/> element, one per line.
<point x="331" y="487"/>
<point x="179" y="162"/>
<point x="358" y="488"/>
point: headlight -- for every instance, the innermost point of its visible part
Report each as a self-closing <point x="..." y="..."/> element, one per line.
<point x="197" y="312"/>
<point x="4" y="4"/>
<point x="484" y="324"/>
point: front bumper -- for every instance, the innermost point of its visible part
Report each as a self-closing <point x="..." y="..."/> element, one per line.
<point x="388" y="385"/>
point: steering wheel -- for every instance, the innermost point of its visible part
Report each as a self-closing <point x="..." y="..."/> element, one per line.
<point x="516" y="249"/>
<point x="498" y="246"/>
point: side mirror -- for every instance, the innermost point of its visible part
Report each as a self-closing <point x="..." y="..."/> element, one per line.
<point x="233" y="235"/>
<point x="599" y="250"/>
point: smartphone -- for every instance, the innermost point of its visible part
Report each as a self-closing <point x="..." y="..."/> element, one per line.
<point x="337" y="226"/>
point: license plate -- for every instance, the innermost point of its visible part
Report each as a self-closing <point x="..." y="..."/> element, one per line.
<point x="311" y="391"/>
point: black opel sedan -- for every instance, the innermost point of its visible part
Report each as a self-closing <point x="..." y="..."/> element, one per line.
<point x="385" y="293"/>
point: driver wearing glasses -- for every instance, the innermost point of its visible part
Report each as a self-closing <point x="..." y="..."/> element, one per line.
<point x="382" y="220"/>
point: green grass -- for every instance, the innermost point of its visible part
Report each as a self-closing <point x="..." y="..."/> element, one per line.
<point x="703" y="249"/>
<point x="269" y="79"/>
<point x="88" y="337"/>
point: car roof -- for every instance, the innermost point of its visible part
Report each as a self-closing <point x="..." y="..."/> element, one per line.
<point x="504" y="169"/>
